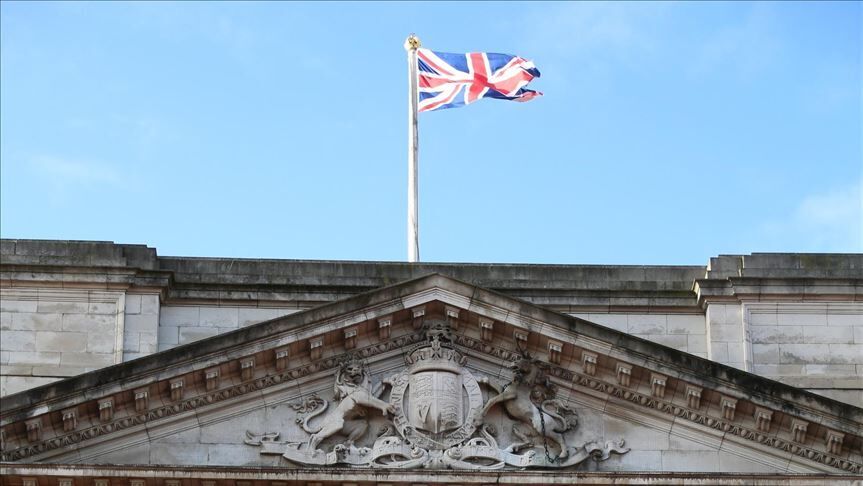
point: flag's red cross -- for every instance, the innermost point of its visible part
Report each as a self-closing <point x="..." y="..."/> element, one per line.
<point x="477" y="81"/>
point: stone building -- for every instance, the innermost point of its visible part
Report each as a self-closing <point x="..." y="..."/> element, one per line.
<point x="122" y="367"/>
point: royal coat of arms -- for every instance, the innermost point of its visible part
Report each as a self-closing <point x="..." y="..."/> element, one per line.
<point x="436" y="415"/>
<point x="436" y="397"/>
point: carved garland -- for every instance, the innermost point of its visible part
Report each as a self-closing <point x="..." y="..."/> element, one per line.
<point x="471" y="343"/>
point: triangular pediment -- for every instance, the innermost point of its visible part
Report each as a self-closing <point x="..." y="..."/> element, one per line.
<point x="245" y="398"/>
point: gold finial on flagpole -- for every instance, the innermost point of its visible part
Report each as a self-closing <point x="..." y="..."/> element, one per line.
<point x="412" y="42"/>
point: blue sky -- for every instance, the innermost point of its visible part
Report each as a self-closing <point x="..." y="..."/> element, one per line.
<point x="668" y="133"/>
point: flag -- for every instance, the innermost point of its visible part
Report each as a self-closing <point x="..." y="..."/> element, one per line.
<point x="449" y="80"/>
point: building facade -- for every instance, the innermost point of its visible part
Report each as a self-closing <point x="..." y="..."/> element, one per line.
<point x="119" y="365"/>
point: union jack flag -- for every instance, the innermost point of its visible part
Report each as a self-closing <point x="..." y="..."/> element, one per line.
<point x="449" y="80"/>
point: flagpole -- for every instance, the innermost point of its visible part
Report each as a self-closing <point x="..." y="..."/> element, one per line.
<point x="411" y="45"/>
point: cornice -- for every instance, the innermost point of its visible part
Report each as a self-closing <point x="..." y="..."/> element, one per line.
<point x="212" y="379"/>
<point x="298" y="328"/>
<point x="739" y="289"/>
<point x="86" y="474"/>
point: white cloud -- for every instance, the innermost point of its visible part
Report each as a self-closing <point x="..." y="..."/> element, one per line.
<point x="593" y="30"/>
<point x="825" y="222"/>
<point x="595" y="35"/>
<point x="838" y="209"/>
<point x="65" y="172"/>
<point x="586" y="46"/>
<point x="745" y="47"/>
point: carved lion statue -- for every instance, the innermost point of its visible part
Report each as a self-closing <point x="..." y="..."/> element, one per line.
<point x="529" y="399"/>
<point x="353" y="392"/>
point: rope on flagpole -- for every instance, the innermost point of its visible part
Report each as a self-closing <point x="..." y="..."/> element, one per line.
<point x="412" y="43"/>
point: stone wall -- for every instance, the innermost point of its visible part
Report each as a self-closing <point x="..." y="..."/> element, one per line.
<point x="683" y="332"/>
<point x="676" y="412"/>
<point x="818" y="346"/>
<point x="186" y="324"/>
<point x="49" y="334"/>
<point x="69" y="307"/>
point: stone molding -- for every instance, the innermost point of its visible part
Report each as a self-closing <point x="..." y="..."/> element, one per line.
<point x="807" y="289"/>
<point x="561" y="287"/>
<point x="84" y="475"/>
<point x="298" y="283"/>
<point x="604" y="382"/>
<point x="435" y="293"/>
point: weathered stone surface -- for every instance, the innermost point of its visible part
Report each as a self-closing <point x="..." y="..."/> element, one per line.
<point x="219" y="317"/>
<point x="696" y="343"/>
<point x="647" y="324"/>
<point x="46" y="307"/>
<point x="33" y="357"/>
<point x="192" y="334"/>
<point x="726" y="333"/>
<point x="18" y="306"/>
<point x="169" y="335"/>
<point x="101" y="342"/>
<point x="248" y="316"/>
<point x="61" y="341"/>
<point x="180" y="316"/>
<point x="107" y="308"/>
<point x="777" y="334"/>
<point x="685" y="324"/>
<point x="27" y="321"/>
<point x="15" y="384"/>
<point x="18" y="341"/>
<point x="279" y="476"/>
<point x="141" y="323"/>
<point x="133" y="304"/>
<point x="85" y="359"/>
<point x="89" y="322"/>
<point x="131" y="342"/>
<point x="706" y="461"/>
<point x="674" y="341"/>
<point x="73" y="321"/>
<point x="711" y="305"/>
<point x="208" y="425"/>
<point x="150" y="304"/>
<point x="804" y="353"/>
<point x="766" y="353"/>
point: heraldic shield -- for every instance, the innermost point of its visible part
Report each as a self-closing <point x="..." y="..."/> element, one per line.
<point x="435" y="401"/>
<point x="436" y="397"/>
